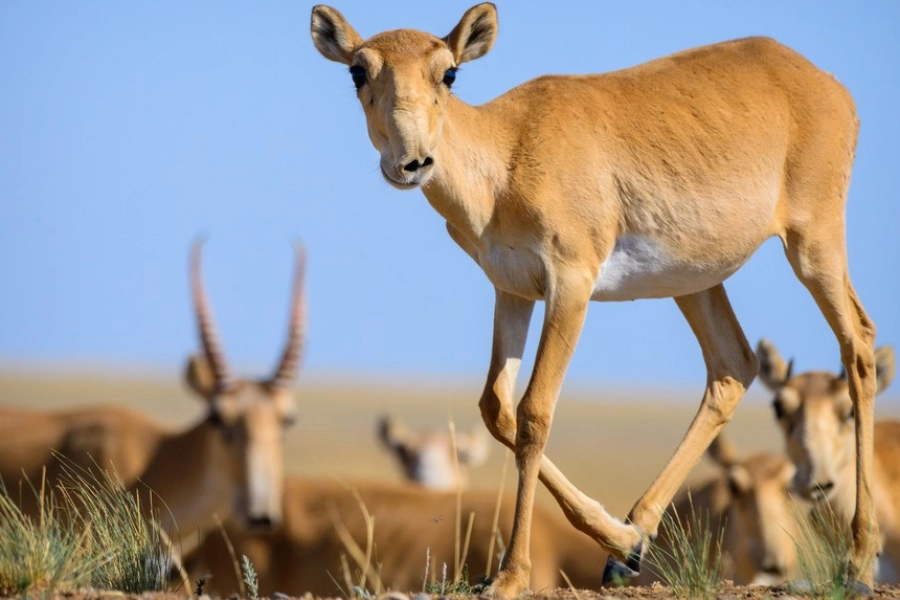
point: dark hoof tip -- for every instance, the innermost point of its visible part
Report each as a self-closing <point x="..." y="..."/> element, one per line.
<point x="861" y="590"/>
<point x="616" y="573"/>
<point x="634" y="558"/>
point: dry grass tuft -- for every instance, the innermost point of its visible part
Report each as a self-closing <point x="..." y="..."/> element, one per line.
<point x="691" y="565"/>
<point x="90" y="531"/>
<point x="823" y="545"/>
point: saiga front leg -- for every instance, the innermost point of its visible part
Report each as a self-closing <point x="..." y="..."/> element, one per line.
<point x="527" y="435"/>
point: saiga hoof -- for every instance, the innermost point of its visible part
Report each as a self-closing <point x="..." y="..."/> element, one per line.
<point x="861" y="590"/>
<point x="617" y="573"/>
<point x="505" y="587"/>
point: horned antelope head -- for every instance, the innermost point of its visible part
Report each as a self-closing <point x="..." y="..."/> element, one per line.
<point x="403" y="80"/>
<point x="249" y="416"/>
<point x="815" y="413"/>
<point x="427" y="457"/>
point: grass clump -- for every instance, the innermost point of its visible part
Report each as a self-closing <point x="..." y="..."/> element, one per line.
<point x="690" y="562"/>
<point x="89" y="531"/>
<point x="37" y="553"/>
<point x="124" y="544"/>
<point x="823" y="545"/>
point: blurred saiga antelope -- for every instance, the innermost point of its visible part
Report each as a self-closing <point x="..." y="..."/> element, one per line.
<point x="656" y="181"/>
<point x="414" y="536"/>
<point x="748" y="503"/>
<point x="431" y="458"/>
<point x="228" y="464"/>
<point x="816" y="416"/>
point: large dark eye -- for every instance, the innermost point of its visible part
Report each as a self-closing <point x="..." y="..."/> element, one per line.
<point x="449" y="77"/>
<point x="359" y="75"/>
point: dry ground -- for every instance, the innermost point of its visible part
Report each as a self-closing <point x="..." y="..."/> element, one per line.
<point x="611" y="443"/>
<point x="657" y="592"/>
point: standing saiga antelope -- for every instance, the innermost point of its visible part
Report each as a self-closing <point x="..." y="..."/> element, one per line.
<point x="817" y="417"/>
<point x="228" y="464"/>
<point x="432" y="459"/>
<point x="656" y="181"/>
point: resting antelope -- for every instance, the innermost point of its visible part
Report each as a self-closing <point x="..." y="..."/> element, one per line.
<point x="229" y="463"/>
<point x="656" y="181"/>
<point x="748" y="502"/>
<point x="414" y="536"/>
<point x="428" y="458"/>
<point x="817" y="417"/>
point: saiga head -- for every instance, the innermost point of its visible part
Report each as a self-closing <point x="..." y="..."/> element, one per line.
<point x="815" y="413"/>
<point x="427" y="457"/>
<point x="760" y="515"/>
<point x="764" y="515"/>
<point x="249" y="415"/>
<point x="403" y="80"/>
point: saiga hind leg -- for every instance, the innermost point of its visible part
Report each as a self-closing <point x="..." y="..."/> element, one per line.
<point x="731" y="366"/>
<point x="820" y="262"/>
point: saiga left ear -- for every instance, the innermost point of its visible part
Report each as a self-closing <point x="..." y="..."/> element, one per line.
<point x="475" y="34"/>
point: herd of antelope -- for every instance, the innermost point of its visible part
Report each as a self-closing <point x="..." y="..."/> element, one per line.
<point x="656" y="181"/>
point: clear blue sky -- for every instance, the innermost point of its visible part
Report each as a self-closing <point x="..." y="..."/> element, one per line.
<point x="128" y="128"/>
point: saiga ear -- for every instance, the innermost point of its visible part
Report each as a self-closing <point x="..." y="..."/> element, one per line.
<point x="739" y="480"/>
<point x="198" y="374"/>
<point x="393" y="434"/>
<point x="474" y="34"/>
<point x="723" y="452"/>
<point x="786" y="473"/>
<point x="885" y="367"/>
<point x="333" y="35"/>
<point x="773" y="371"/>
<point x="473" y="448"/>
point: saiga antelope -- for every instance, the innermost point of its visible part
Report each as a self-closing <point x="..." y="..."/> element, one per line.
<point x="748" y="503"/>
<point x="428" y="458"/>
<point x="414" y="537"/>
<point x="656" y="181"/>
<point x="229" y="463"/>
<point x="817" y="417"/>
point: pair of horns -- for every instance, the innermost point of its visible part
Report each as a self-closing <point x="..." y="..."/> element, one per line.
<point x="209" y="339"/>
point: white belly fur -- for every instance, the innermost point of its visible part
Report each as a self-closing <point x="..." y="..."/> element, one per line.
<point x="641" y="268"/>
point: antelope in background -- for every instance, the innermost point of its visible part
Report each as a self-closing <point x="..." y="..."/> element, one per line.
<point x="428" y="458"/>
<point x="816" y="415"/>
<point x="414" y="536"/>
<point x="227" y="464"/>
<point x="656" y="181"/>
<point x="748" y="502"/>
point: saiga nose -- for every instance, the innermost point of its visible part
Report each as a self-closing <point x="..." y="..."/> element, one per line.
<point x="415" y="165"/>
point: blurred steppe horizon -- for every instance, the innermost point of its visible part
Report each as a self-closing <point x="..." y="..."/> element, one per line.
<point x="611" y="443"/>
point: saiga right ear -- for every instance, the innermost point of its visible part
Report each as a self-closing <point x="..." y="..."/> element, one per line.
<point x="333" y="36"/>
<point x="773" y="371"/>
<point x="885" y="367"/>
<point x="199" y="376"/>
<point x="723" y="452"/>
<point x="473" y="448"/>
